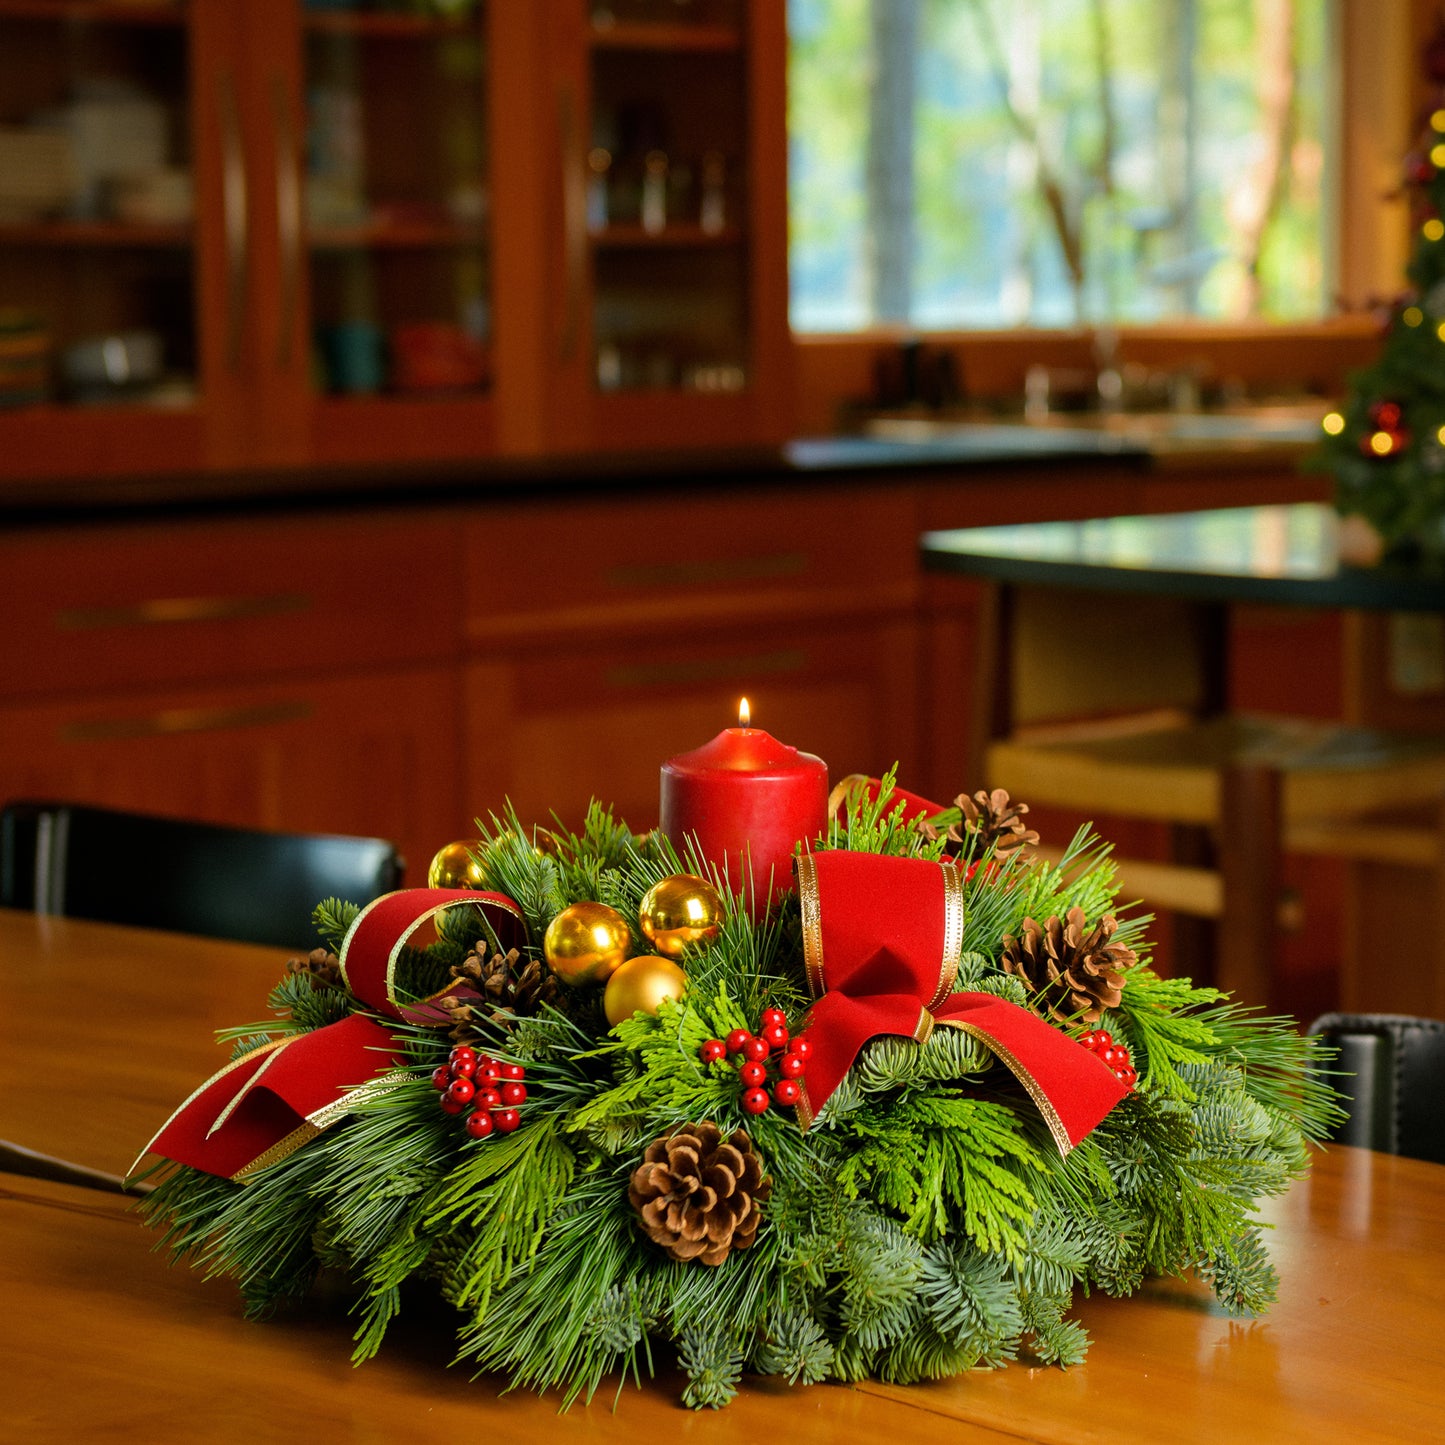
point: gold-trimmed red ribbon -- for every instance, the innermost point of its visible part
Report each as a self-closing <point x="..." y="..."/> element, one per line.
<point x="882" y="939"/>
<point x="272" y="1100"/>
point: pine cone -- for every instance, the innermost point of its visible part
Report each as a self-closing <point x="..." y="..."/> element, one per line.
<point x="698" y="1195"/>
<point x="323" y="966"/>
<point x="1077" y="973"/>
<point x="996" y="819"/>
<point x="509" y="988"/>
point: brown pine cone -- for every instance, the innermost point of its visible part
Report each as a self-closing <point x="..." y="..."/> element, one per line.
<point x="699" y="1195"/>
<point x="1077" y="973"/>
<point x="323" y="966"/>
<point x="996" y="819"/>
<point x="509" y="988"/>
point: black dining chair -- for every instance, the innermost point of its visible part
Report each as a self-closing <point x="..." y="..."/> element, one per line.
<point x="1390" y="1072"/>
<point x="183" y="876"/>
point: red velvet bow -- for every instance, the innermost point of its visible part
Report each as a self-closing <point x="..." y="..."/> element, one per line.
<point x="273" y="1099"/>
<point x="882" y="938"/>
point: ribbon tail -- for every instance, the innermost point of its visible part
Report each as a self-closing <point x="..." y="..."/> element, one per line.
<point x="310" y="1081"/>
<point x="1073" y="1089"/>
<point x="838" y="1027"/>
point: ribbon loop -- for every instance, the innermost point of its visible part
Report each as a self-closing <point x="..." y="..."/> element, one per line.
<point x="882" y="940"/>
<point x="270" y="1101"/>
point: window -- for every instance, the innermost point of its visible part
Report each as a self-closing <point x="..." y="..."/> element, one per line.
<point x="998" y="163"/>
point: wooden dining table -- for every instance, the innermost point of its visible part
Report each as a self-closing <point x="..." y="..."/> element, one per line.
<point x="103" y="1030"/>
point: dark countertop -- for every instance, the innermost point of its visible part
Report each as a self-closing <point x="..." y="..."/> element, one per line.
<point x="804" y="462"/>
<point x="918" y="451"/>
<point x="1275" y="555"/>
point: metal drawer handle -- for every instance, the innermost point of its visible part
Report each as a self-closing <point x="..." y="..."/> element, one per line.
<point x="185" y="720"/>
<point x="161" y="610"/>
<point x="709" y="571"/>
<point x="707" y="669"/>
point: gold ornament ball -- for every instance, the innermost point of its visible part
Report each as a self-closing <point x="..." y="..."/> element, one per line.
<point x="642" y="983"/>
<point x="679" y="912"/>
<point x="586" y="943"/>
<point x="456" y="866"/>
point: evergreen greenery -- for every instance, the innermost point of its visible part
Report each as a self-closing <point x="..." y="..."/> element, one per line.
<point x="925" y="1225"/>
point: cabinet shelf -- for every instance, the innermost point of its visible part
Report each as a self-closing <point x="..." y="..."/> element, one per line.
<point x="99" y="12"/>
<point x="411" y="235"/>
<point x="680" y="236"/>
<point x="99" y="234"/>
<point x="348" y="22"/>
<point x="642" y="36"/>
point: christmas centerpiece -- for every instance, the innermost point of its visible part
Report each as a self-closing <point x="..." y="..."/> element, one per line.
<point x="821" y="1086"/>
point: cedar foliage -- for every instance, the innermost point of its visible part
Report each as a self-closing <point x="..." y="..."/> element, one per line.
<point x="926" y="1225"/>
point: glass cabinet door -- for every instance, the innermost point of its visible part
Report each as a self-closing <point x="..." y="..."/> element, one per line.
<point x="98" y="254"/>
<point x="666" y="195"/>
<point x="394" y="199"/>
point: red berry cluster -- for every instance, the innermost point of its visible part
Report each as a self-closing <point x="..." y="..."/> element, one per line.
<point x="491" y="1090"/>
<point x="753" y="1053"/>
<point x="1116" y="1056"/>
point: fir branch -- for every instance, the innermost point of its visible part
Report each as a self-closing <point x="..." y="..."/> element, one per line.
<point x="332" y="918"/>
<point x="941" y="1160"/>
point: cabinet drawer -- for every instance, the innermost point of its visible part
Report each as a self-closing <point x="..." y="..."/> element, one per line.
<point x="678" y="561"/>
<point x="96" y="608"/>
<point x="374" y="755"/>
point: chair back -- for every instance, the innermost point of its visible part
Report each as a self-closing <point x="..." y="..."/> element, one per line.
<point x="1395" y="1095"/>
<point x="183" y="876"/>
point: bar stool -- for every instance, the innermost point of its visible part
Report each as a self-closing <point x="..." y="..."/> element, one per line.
<point x="1107" y="705"/>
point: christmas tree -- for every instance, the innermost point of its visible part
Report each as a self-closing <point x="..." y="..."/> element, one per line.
<point x="1386" y="446"/>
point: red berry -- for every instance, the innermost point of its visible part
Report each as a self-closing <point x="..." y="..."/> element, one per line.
<point x="461" y="1090"/>
<point x="441" y="1077"/>
<point x="801" y="1047"/>
<point x="513" y="1093"/>
<point x="1089" y="1039"/>
<point x="451" y="1105"/>
<point x="755" y="1101"/>
<point x="488" y="1073"/>
<point x="489" y="1099"/>
<point x="776" y="1036"/>
<point x="771" y="1016"/>
<point x="786" y="1091"/>
<point x="463" y="1060"/>
<point x="712" y="1051"/>
<point x="506" y="1120"/>
<point x="755" y="1050"/>
<point x="479" y="1124"/>
<point x="1102" y="1038"/>
<point x="737" y="1039"/>
<point x="511" y="1071"/>
<point x="752" y="1075"/>
<point x="791" y="1066"/>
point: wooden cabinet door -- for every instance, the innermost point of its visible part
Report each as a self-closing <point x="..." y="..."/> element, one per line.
<point x="664" y="197"/>
<point x="124" y="276"/>
<point x="374" y="755"/>
<point x="556" y="727"/>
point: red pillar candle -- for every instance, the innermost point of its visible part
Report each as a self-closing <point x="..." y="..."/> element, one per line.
<point x="748" y="800"/>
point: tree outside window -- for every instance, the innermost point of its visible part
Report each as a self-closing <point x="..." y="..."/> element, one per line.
<point x="990" y="163"/>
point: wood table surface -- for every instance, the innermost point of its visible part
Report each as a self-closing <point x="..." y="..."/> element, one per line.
<point x="103" y="1030"/>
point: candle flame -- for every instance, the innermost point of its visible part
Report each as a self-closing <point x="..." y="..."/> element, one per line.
<point x="745" y="713"/>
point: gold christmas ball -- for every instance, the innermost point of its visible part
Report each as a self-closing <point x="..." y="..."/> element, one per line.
<point x="456" y="866"/>
<point x="586" y="942"/>
<point x="680" y="911"/>
<point x="642" y="983"/>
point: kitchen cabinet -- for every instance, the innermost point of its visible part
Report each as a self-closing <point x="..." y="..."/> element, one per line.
<point x="282" y="233"/>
